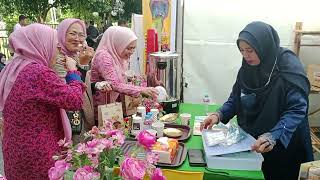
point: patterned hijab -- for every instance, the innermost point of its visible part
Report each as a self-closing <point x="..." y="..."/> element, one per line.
<point x="35" y="43"/>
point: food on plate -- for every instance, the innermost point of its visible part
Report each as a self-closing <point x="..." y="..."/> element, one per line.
<point x="167" y="149"/>
<point x="169" y="118"/>
<point x="172" y="132"/>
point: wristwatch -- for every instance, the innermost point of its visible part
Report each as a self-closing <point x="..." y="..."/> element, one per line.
<point x="84" y="67"/>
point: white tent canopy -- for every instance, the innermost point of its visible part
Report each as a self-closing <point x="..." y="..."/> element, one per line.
<point x="210" y="56"/>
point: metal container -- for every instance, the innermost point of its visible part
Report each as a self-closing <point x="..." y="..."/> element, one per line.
<point x="163" y="70"/>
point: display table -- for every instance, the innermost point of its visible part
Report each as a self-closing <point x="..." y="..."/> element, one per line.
<point x="195" y="142"/>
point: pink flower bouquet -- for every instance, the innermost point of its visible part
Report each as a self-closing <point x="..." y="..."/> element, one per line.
<point x="139" y="162"/>
<point x="93" y="159"/>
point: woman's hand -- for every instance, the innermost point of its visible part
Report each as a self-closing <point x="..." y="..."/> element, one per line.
<point x="149" y="92"/>
<point x="86" y="55"/>
<point x="103" y="86"/>
<point x="262" y="145"/>
<point x="71" y="64"/>
<point x="209" y="121"/>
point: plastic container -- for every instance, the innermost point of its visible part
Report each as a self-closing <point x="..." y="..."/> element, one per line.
<point x="249" y="161"/>
<point x="148" y="121"/>
<point x="141" y="111"/>
<point x="206" y="102"/>
<point x="137" y="125"/>
<point x="159" y="127"/>
<point x="155" y="114"/>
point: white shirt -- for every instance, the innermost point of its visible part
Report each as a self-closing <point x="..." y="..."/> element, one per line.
<point x="17" y="26"/>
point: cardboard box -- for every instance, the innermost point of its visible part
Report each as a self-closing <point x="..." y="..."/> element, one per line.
<point x="249" y="161"/>
<point x="313" y="73"/>
<point x="310" y="170"/>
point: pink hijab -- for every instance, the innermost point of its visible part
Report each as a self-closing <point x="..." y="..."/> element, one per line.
<point x="114" y="41"/>
<point x="62" y="33"/>
<point x="35" y="43"/>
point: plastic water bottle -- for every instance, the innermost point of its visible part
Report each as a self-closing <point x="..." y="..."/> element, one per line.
<point x="206" y="102"/>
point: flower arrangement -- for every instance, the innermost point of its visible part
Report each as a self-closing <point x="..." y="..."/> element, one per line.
<point x="96" y="158"/>
<point x="92" y="160"/>
<point x="139" y="162"/>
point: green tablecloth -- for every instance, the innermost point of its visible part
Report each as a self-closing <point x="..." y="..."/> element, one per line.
<point x="195" y="142"/>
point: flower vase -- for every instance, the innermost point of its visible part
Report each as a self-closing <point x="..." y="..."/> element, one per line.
<point x="108" y="173"/>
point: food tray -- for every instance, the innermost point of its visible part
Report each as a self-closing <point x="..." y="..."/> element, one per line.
<point x="186" y="131"/>
<point x="178" y="160"/>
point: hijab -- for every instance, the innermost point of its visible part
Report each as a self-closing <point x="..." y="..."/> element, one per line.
<point x="261" y="90"/>
<point x="62" y="33"/>
<point x="114" y="41"/>
<point x="35" y="43"/>
<point x="264" y="39"/>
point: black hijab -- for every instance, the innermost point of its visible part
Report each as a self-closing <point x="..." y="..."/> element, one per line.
<point x="264" y="39"/>
<point x="260" y="90"/>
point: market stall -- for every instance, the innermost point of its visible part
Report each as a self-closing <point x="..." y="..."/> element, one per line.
<point x="195" y="142"/>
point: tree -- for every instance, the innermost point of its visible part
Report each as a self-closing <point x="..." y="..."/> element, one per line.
<point x="97" y="10"/>
<point x="33" y="9"/>
<point x="131" y="6"/>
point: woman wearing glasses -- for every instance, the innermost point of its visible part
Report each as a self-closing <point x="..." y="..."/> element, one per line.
<point x="270" y="100"/>
<point x="71" y="37"/>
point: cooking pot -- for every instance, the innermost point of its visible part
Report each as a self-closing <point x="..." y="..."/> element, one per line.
<point x="171" y="105"/>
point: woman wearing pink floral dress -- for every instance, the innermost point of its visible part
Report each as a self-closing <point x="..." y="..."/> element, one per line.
<point x="32" y="97"/>
<point x="110" y="64"/>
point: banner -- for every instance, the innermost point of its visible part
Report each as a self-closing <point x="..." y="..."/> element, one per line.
<point x="157" y="15"/>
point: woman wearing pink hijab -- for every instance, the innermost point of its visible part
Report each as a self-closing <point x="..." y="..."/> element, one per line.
<point x="71" y="39"/>
<point x="32" y="97"/>
<point x="110" y="64"/>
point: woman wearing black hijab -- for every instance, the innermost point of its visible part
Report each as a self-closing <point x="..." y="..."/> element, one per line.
<point x="270" y="100"/>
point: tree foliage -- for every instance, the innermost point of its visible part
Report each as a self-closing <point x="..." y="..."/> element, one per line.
<point x="84" y="9"/>
<point x="131" y="6"/>
<point x="35" y="10"/>
<point x="97" y="10"/>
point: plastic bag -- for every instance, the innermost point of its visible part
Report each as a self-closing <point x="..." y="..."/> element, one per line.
<point x="225" y="135"/>
<point x="235" y="134"/>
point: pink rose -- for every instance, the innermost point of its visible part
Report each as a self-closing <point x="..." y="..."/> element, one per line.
<point x="86" y="173"/>
<point x="94" y="130"/>
<point x="69" y="155"/>
<point x="157" y="175"/>
<point x="107" y="143"/>
<point x="111" y="132"/>
<point x="146" y="139"/>
<point x="57" y="172"/>
<point x="94" y="147"/>
<point x="132" y="169"/>
<point x="119" y="138"/>
<point x="94" y="160"/>
<point x="81" y="148"/>
<point x="108" y="125"/>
